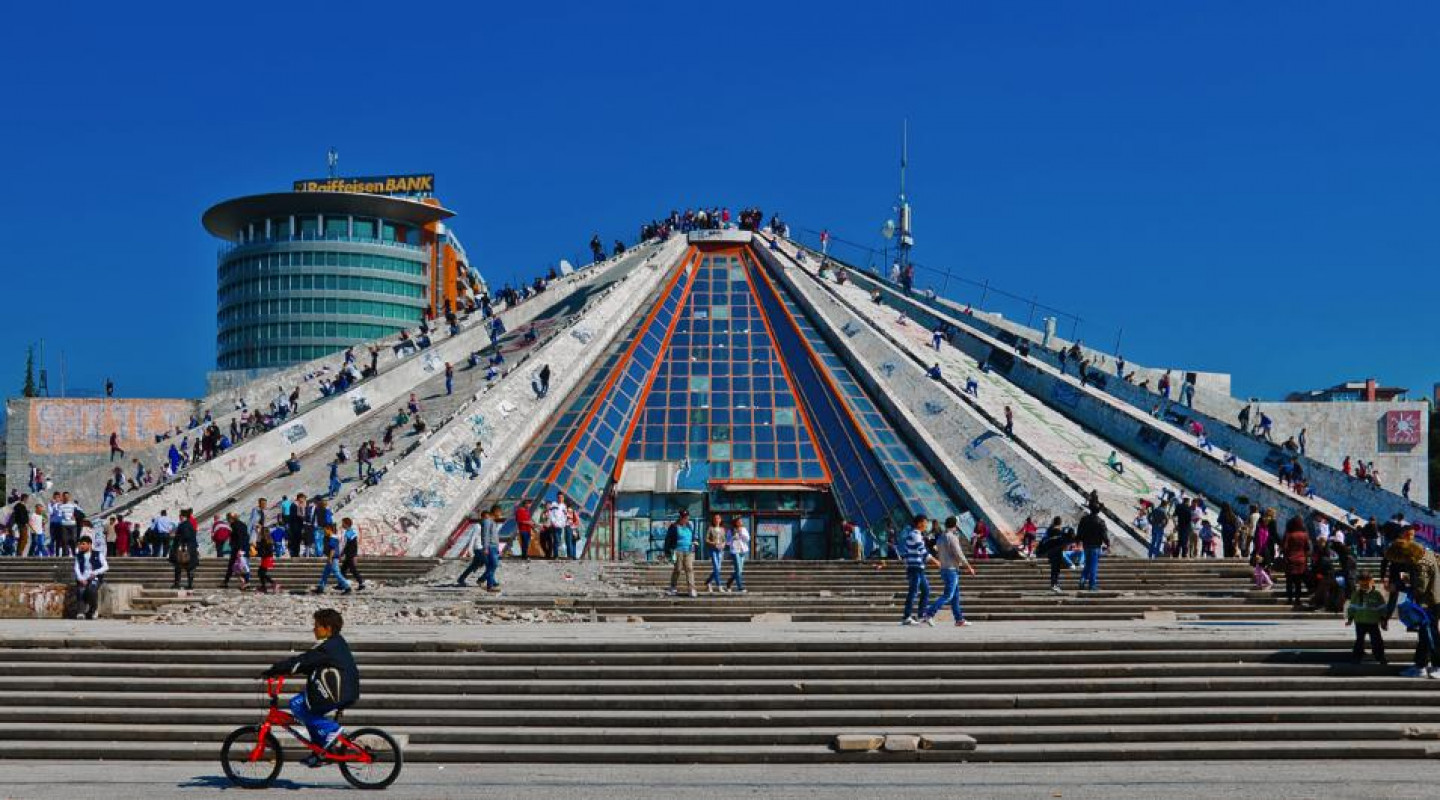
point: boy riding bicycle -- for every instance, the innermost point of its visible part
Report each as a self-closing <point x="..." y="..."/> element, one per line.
<point x="332" y="681"/>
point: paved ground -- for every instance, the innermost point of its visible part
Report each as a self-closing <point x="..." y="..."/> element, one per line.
<point x="1324" y="630"/>
<point x="1118" y="781"/>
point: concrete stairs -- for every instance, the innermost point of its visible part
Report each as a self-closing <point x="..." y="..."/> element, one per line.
<point x="155" y="573"/>
<point x="706" y="699"/>
<point x="1199" y="591"/>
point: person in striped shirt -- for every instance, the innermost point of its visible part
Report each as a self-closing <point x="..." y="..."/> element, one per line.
<point x="916" y="555"/>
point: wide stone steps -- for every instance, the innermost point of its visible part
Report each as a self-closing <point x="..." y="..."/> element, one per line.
<point x="157" y="572"/>
<point x="703" y="699"/>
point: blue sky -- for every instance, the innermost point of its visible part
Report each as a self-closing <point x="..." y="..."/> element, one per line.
<point x="1241" y="187"/>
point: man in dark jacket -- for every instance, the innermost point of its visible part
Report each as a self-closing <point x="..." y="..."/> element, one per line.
<point x="185" y="550"/>
<point x="1094" y="537"/>
<point x="332" y="681"/>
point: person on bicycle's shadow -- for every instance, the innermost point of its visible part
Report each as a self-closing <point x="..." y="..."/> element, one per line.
<point x="332" y="681"/>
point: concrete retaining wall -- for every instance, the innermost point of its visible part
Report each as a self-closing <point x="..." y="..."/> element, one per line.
<point x="428" y="494"/>
<point x="56" y="600"/>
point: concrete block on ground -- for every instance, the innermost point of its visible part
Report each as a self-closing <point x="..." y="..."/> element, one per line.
<point x="947" y="741"/>
<point x="771" y="618"/>
<point x="858" y="742"/>
<point x="1422" y="732"/>
<point x="902" y="743"/>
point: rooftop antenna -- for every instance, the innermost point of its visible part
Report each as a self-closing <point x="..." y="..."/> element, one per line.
<point x="332" y="160"/>
<point x="900" y="231"/>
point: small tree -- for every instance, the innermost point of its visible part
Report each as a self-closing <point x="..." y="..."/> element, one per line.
<point x="29" y="388"/>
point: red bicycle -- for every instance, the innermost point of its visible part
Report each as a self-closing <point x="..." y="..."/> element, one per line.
<point x="369" y="758"/>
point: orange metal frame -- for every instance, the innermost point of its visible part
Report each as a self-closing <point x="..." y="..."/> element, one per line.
<point x="600" y="396"/>
<point x="659" y="357"/>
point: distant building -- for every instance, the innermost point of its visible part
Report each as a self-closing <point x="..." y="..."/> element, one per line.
<point x="334" y="263"/>
<point x="1366" y="391"/>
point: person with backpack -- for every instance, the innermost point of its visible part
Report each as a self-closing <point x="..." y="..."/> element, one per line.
<point x="1418" y="576"/>
<point x="239" y="562"/>
<point x="184" y="547"/>
<point x="680" y="547"/>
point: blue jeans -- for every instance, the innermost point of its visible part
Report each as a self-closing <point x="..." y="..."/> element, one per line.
<point x="737" y="571"/>
<point x="492" y="566"/>
<point x="570" y="543"/>
<point x="950" y="595"/>
<point x="917" y="586"/>
<point x="1157" y="541"/>
<point x="717" y="556"/>
<point x="1090" y="574"/>
<point x="332" y="567"/>
<point x="321" y="727"/>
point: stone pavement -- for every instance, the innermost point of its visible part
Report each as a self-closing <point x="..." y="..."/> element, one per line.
<point x="1204" y="780"/>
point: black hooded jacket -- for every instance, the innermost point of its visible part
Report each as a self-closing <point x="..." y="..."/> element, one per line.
<point x="332" y="680"/>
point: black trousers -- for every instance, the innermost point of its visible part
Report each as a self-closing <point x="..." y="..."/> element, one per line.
<point x="1377" y="643"/>
<point x="292" y="539"/>
<point x="1056" y="566"/>
<point x="265" y="579"/>
<point x="89" y="597"/>
<point x="1294" y="588"/>
<point x="349" y="570"/>
<point x="189" y="576"/>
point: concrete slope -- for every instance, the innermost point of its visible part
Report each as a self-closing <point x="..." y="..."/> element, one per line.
<point x="1218" y="412"/>
<point x="259" y="459"/>
<point x="426" y="496"/>
<point x="1076" y="454"/>
<point x="1000" y="481"/>
<point x="1157" y="441"/>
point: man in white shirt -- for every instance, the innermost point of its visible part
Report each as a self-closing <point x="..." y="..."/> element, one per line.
<point x="557" y="517"/>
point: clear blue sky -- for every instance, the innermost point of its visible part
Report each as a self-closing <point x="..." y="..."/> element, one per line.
<point x="1243" y="187"/>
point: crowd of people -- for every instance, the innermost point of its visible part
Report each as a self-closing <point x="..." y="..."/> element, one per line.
<point x="703" y="219"/>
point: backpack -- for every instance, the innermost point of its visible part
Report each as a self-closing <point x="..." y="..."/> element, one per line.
<point x="1412" y="615"/>
<point x="672" y="538"/>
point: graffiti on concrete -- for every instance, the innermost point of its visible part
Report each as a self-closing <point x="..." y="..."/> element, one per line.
<point x="425" y="498"/>
<point x="888" y="368"/>
<point x="1129" y="481"/>
<point x="449" y="466"/>
<point x="850" y="328"/>
<point x="583" y="335"/>
<point x="481" y="427"/>
<point x="1015" y="492"/>
<point x="294" y="432"/>
<point x="933" y="408"/>
<point x="64" y="426"/>
<point x="979" y="447"/>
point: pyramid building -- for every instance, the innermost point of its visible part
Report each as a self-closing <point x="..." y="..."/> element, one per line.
<point x="722" y="397"/>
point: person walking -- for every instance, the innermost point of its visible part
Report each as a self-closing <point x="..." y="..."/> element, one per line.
<point x="952" y="558"/>
<point x="485" y="550"/>
<point x="1053" y="544"/>
<point x="184" y="550"/>
<point x="265" y="552"/>
<point x="331" y="550"/>
<point x="680" y="545"/>
<point x="349" y="551"/>
<point x="737" y="545"/>
<point x="916" y="556"/>
<point x="240" y="534"/>
<point x="715" y="537"/>
<point x="1094" y="537"/>
<point x="1295" y="547"/>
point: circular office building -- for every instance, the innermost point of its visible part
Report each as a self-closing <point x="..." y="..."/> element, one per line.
<point x="305" y="274"/>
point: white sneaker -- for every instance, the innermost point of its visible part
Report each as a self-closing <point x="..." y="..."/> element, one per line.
<point x="929" y="621"/>
<point x="908" y="621"/>
<point x="1434" y="673"/>
<point x="1057" y="590"/>
<point x="1415" y="672"/>
<point x="692" y="593"/>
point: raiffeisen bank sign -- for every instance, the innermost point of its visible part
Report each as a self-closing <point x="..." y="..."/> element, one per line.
<point x="421" y="185"/>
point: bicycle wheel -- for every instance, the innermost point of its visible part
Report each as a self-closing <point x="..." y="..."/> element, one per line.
<point x="235" y="758"/>
<point x="387" y="760"/>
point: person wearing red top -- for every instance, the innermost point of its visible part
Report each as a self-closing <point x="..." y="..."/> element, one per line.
<point x="524" y="526"/>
